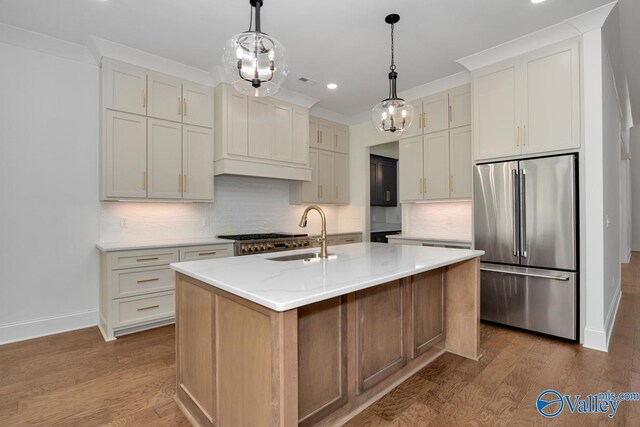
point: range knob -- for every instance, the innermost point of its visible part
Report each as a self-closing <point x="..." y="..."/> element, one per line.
<point x="244" y="249"/>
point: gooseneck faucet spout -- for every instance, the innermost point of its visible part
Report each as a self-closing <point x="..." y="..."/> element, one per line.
<point x="323" y="235"/>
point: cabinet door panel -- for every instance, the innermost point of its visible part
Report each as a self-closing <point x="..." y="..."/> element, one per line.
<point x="126" y="155"/>
<point x="314" y="133"/>
<point x="165" y="97"/>
<point x="341" y="139"/>
<point x="436" y="113"/>
<point x="260" y="129"/>
<point x="197" y="163"/>
<point x="327" y="135"/>
<point x="417" y="126"/>
<point x="164" y="159"/>
<point x="411" y="169"/>
<point x="428" y="310"/>
<point x="197" y="107"/>
<point x="311" y="189"/>
<point x="460" y="162"/>
<point x="325" y="176"/>
<point x="282" y="116"/>
<point x="237" y="122"/>
<point x="374" y="199"/>
<point x="125" y="87"/>
<point x="496" y="111"/>
<point x="301" y="136"/>
<point x="380" y="345"/>
<point x="551" y="99"/>
<point x="460" y="107"/>
<point x="436" y="166"/>
<point x="341" y="178"/>
<point x="389" y="180"/>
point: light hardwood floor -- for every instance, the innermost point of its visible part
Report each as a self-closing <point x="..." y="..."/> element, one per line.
<point x="76" y="379"/>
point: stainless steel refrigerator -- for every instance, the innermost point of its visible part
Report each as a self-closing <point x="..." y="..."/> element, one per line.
<point x="525" y="216"/>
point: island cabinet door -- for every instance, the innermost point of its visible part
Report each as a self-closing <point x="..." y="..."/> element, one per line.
<point x="380" y="333"/>
<point x="427" y="311"/>
<point x="322" y="359"/>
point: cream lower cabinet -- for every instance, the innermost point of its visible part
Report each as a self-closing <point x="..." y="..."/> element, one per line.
<point x="137" y="286"/>
<point x="329" y="180"/>
<point x="436" y="166"/>
<point x="529" y="104"/>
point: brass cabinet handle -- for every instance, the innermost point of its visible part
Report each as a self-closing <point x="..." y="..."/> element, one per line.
<point x="451" y="183"/>
<point x="144" y="180"/>
<point x="318" y="136"/>
<point x="149" y="280"/>
<point x="153" y="258"/>
<point x="450" y="114"/>
<point x="184" y="106"/>
<point x="388" y="196"/>
<point x="524" y="136"/>
<point x="207" y="253"/>
<point x="149" y="308"/>
<point x="518" y="136"/>
<point x="144" y="98"/>
<point x="320" y="140"/>
<point x="184" y="183"/>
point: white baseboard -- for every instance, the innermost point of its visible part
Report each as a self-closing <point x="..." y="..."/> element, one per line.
<point x="598" y="338"/>
<point x="20" y="331"/>
<point x="626" y="259"/>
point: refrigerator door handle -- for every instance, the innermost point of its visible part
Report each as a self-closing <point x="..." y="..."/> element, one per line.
<point x="523" y="213"/>
<point x="514" y="186"/>
<point x="519" y="273"/>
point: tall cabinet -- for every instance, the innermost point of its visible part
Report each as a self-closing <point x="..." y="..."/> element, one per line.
<point x="329" y="163"/>
<point x="435" y="156"/>
<point x="156" y="138"/>
<point x="529" y="104"/>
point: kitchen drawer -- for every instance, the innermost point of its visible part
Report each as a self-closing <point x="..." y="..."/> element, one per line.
<point x="345" y="240"/>
<point x="139" y="281"/>
<point x="195" y="253"/>
<point x="143" y="309"/>
<point x="143" y="258"/>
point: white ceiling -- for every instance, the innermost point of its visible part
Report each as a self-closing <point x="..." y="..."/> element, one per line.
<point x="341" y="41"/>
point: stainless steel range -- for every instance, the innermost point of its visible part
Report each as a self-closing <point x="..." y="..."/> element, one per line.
<point x="248" y="244"/>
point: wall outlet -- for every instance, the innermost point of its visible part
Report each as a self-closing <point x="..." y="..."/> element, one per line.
<point x="124" y="223"/>
<point x="205" y="221"/>
<point x="607" y="221"/>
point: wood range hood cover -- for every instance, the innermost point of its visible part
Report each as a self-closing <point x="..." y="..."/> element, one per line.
<point x="262" y="170"/>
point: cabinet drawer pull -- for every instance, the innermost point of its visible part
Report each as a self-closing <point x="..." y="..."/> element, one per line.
<point x="184" y="106"/>
<point x="153" y="258"/>
<point x="149" y="280"/>
<point x="149" y="308"/>
<point x="207" y="253"/>
<point x="388" y="194"/>
<point x="350" y="240"/>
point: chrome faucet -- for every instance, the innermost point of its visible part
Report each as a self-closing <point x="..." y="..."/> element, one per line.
<point x="323" y="235"/>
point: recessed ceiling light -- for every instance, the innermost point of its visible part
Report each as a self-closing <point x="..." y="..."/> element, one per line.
<point x="332" y="86"/>
<point x="537" y="1"/>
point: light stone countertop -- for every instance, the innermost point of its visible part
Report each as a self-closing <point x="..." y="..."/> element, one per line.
<point x="425" y="238"/>
<point x="152" y="244"/>
<point x="287" y="285"/>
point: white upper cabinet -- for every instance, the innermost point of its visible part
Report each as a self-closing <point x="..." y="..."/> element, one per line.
<point x="411" y="169"/>
<point x="260" y="128"/>
<point x="164" y="159"/>
<point x="233" y="130"/>
<point x="283" y="132"/>
<point x="301" y="134"/>
<point x="341" y="139"/>
<point x="197" y="163"/>
<point x="124" y="167"/>
<point x="460" y="166"/>
<point x="529" y="104"/>
<point x="496" y="124"/>
<point x="341" y="178"/>
<point x="308" y="191"/>
<point x="326" y="139"/>
<point x="436" y="166"/>
<point x="435" y="116"/>
<point x="124" y="87"/>
<point x="164" y="97"/>
<point x="325" y="176"/>
<point x="314" y="133"/>
<point x="460" y="107"/>
<point x="551" y="99"/>
<point x="197" y="105"/>
<point x="416" y="127"/>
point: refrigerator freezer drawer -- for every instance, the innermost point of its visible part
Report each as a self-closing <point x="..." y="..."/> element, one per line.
<point x="537" y="300"/>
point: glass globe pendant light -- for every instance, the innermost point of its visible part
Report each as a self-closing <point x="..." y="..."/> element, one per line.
<point x="392" y="114"/>
<point x="255" y="63"/>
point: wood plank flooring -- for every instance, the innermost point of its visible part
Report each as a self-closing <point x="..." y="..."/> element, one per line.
<point x="76" y="379"/>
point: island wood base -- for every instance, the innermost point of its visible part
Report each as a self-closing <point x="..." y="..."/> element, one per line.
<point x="241" y="364"/>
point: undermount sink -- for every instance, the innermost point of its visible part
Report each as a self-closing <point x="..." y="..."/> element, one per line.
<point x="307" y="257"/>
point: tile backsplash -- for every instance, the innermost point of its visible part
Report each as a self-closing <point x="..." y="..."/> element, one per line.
<point x="241" y="205"/>
<point x="450" y="220"/>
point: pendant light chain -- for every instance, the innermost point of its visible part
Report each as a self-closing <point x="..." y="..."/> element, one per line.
<point x="393" y="64"/>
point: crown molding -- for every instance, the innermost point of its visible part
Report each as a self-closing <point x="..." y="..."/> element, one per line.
<point x="569" y="28"/>
<point x="46" y="44"/>
<point x="101" y="48"/>
<point x="323" y="113"/>
<point x="294" y="97"/>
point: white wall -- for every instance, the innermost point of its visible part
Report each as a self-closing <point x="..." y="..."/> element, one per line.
<point x="48" y="188"/>
<point x="634" y="140"/>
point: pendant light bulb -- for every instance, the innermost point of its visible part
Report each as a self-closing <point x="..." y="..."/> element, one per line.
<point x="385" y="115"/>
<point x="254" y="62"/>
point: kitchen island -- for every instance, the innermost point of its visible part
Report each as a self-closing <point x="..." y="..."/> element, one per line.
<point x="314" y="341"/>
